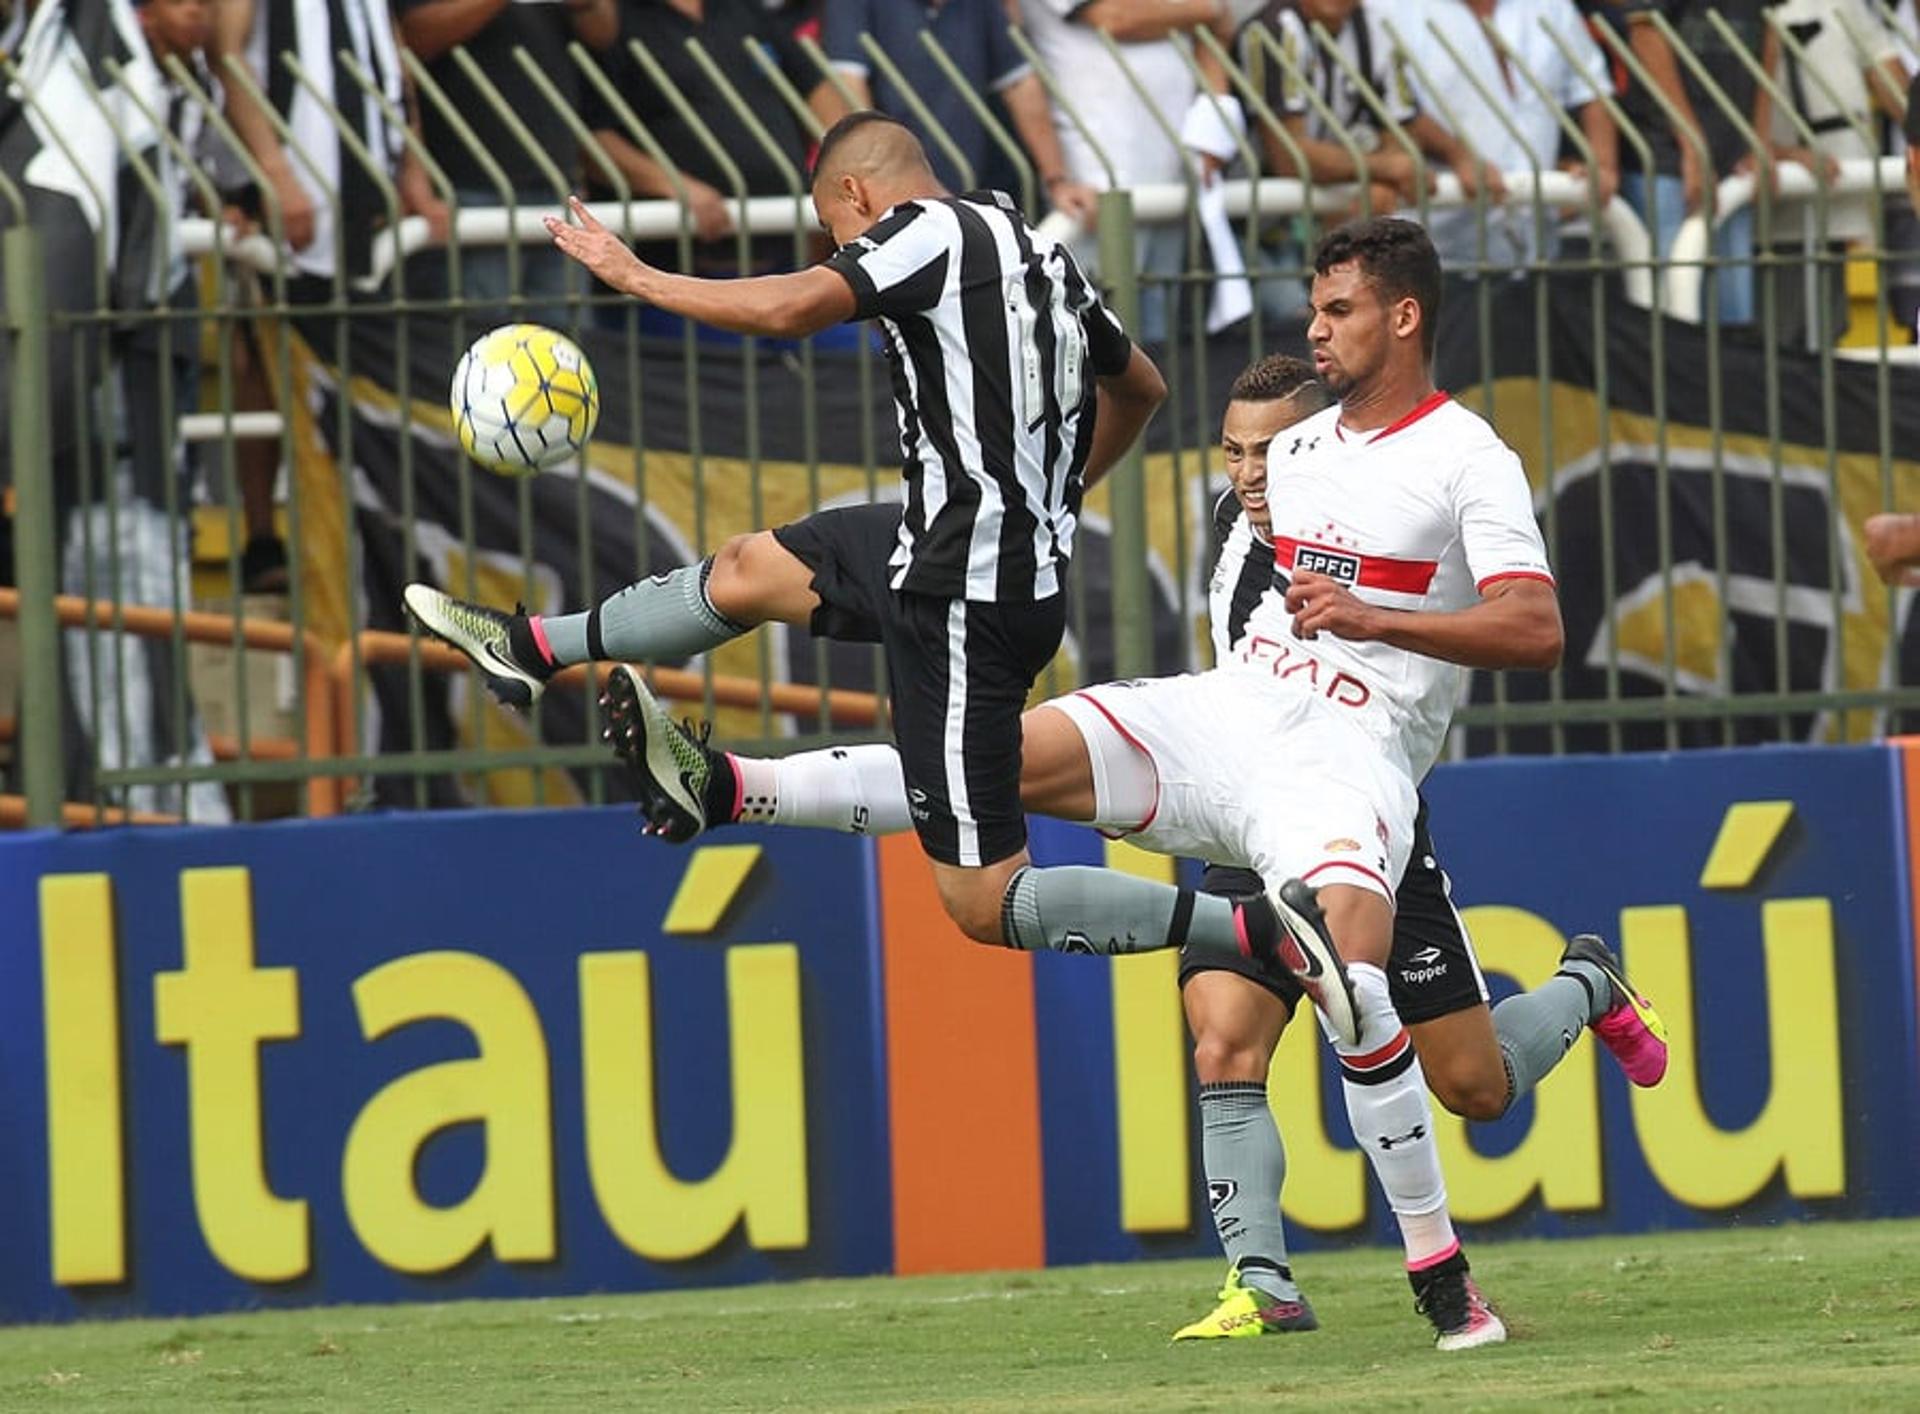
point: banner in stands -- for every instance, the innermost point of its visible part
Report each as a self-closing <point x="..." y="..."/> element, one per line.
<point x="1686" y="457"/>
<point x="484" y="1054"/>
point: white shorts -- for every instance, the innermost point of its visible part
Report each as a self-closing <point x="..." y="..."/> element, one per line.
<point x="1250" y="770"/>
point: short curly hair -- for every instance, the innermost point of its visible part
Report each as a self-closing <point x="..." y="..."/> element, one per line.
<point x="1276" y="377"/>
<point x="1398" y="260"/>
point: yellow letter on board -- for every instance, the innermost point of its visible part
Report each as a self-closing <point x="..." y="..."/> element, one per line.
<point x="505" y="1088"/>
<point x="221" y="1007"/>
<point x="86" y="1169"/>
<point x="764" y="1176"/>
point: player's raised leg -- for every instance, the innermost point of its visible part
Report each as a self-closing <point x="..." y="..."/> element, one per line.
<point x="1481" y="1062"/>
<point x="750" y="580"/>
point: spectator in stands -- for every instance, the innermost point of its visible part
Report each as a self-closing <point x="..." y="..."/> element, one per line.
<point x="1303" y="68"/>
<point x="330" y="207"/>
<point x="129" y="543"/>
<point x="1677" y="186"/>
<point x="326" y="198"/>
<point x="723" y="29"/>
<point x="1857" y="72"/>
<point x="1133" y="139"/>
<point x="490" y="31"/>
<point x="975" y="35"/>
<point x="1486" y="95"/>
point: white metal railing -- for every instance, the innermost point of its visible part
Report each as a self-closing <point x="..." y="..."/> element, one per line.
<point x="1156" y="204"/>
<point x="1692" y="243"/>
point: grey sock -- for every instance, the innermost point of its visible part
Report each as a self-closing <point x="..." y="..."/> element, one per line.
<point x="666" y="617"/>
<point x="1080" y="908"/>
<point x="1537" y="1028"/>
<point x="1246" y="1165"/>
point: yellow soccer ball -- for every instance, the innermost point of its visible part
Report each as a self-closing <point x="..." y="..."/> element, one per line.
<point x="524" y="399"/>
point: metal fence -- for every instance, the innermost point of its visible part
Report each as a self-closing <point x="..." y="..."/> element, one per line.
<point x="1701" y="487"/>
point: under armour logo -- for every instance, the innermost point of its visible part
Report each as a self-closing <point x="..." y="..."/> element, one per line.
<point x="1302" y="444"/>
<point x="1418" y="1132"/>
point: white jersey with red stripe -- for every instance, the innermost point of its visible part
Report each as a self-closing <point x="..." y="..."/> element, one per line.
<point x="1422" y="515"/>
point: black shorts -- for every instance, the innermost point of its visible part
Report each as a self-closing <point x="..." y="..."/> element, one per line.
<point x="958" y="674"/>
<point x="1432" y="970"/>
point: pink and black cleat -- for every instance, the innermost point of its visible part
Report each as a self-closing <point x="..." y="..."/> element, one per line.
<point x="1447" y="1295"/>
<point x="1631" y="1028"/>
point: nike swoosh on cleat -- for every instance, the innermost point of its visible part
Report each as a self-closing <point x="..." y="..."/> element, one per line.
<point x="492" y="651"/>
<point x="686" y="784"/>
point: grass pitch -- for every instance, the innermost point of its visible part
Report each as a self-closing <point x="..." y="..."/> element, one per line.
<point x="1818" y="1317"/>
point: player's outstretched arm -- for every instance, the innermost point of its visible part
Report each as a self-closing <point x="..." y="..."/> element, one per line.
<point x="784" y="306"/>
<point x="1127" y="403"/>
<point x="1516" y="624"/>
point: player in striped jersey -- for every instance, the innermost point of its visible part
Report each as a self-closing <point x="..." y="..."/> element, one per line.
<point x="1014" y="388"/>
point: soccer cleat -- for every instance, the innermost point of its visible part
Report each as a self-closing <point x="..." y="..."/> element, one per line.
<point x="671" y="768"/>
<point x="501" y="645"/>
<point x="1246" y="1310"/>
<point x="1305" y="948"/>
<point x="1447" y="1295"/>
<point x="1631" y="1028"/>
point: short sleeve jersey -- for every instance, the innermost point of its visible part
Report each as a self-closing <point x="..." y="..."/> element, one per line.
<point x="1422" y="515"/>
<point x="994" y="338"/>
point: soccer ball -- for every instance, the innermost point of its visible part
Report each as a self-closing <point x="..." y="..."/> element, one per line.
<point x="524" y="399"/>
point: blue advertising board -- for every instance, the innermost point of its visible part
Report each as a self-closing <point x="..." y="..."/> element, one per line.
<point x="521" y="1053"/>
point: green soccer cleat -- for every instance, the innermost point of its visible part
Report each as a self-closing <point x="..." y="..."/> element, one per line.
<point x="1246" y="1311"/>
<point x="504" y="647"/>
<point x="673" y="771"/>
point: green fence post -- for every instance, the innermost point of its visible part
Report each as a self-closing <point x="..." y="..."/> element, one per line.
<point x="30" y="400"/>
<point x="1127" y="482"/>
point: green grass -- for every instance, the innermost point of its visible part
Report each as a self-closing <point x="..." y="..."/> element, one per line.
<point x="1785" y="1318"/>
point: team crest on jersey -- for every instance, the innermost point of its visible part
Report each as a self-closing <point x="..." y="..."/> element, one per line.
<point x="1334" y="564"/>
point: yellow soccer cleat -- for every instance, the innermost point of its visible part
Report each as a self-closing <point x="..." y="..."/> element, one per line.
<point x="1246" y="1310"/>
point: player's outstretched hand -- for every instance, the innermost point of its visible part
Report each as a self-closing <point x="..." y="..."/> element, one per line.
<point x="1320" y="603"/>
<point x="597" y="248"/>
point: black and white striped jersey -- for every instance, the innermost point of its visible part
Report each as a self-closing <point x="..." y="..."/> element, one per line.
<point x="994" y="338"/>
<point x="342" y="189"/>
<point x="1366" y="47"/>
<point x="1243" y="570"/>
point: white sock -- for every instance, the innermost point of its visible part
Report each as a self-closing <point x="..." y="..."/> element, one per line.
<point x="1392" y="1119"/>
<point x="853" y="789"/>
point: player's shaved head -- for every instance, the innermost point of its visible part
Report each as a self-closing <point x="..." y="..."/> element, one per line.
<point x="871" y="146"/>
<point x="868" y="162"/>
